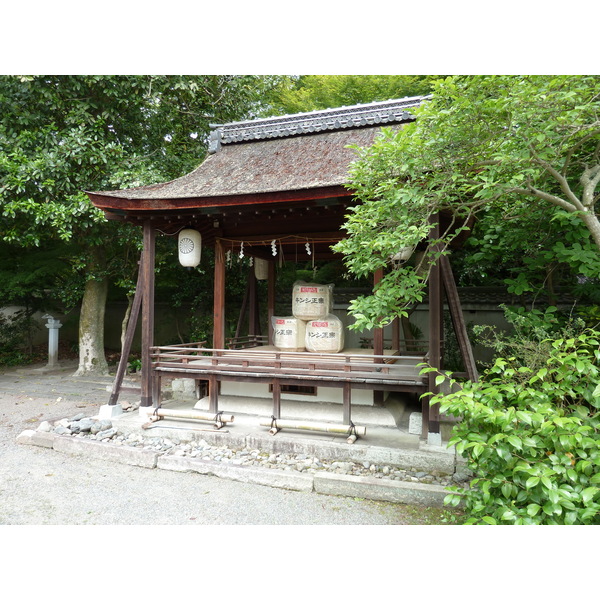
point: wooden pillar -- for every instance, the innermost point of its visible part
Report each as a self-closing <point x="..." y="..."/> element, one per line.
<point x="378" y="331"/>
<point x="378" y="341"/>
<point x="431" y="414"/>
<point x="147" y="312"/>
<point x="219" y="298"/>
<point x="270" y="299"/>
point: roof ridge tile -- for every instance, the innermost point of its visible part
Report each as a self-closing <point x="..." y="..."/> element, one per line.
<point x="358" y="115"/>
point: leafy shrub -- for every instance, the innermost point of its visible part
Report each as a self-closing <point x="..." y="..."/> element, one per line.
<point x="531" y="437"/>
<point x="532" y="332"/>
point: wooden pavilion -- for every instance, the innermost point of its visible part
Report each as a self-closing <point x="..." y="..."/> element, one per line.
<point x="266" y="185"/>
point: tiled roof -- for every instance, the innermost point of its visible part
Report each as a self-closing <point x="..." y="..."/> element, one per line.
<point x="359" y="115"/>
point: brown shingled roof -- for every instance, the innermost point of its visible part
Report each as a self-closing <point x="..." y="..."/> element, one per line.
<point x="277" y="155"/>
<point x="301" y="162"/>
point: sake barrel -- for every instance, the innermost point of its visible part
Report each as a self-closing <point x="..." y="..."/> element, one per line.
<point x="288" y="333"/>
<point x="325" y="335"/>
<point x="311" y="300"/>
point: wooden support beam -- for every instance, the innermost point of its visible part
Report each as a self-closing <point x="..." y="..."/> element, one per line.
<point x="458" y="321"/>
<point x="219" y="298"/>
<point x="276" y="398"/>
<point x="130" y="332"/>
<point x="147" y="311"/>
<point x="156" y="390"/>
<point x="213" y="394"/>
<point x="347" y="399"/>
<point x="431" y="413"/>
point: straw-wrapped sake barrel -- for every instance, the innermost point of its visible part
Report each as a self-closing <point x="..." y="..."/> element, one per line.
<point x="325" y="335"/>
<point x="288" y="333"/>
<point x="311" y="300"/>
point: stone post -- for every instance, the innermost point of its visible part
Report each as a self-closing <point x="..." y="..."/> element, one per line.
<point x="53" y="326"/>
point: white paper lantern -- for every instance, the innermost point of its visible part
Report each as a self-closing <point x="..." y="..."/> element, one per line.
<point x="261" y="269"/>
<point x="190" y="247"/>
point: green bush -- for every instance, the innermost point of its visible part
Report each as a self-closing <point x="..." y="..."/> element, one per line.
<point x="531" y="437"/>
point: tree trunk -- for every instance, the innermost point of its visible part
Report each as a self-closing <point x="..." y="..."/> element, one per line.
<point x="91" y="328"/>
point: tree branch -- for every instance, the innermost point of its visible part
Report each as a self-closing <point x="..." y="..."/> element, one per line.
<point x="564" y="184"/>
<point x="556" y="200"/>
<point x="589" y="180"/>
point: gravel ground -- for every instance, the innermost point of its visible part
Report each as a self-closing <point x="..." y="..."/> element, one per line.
<point x="44" y="487"/>
<point x="41" y="487"/>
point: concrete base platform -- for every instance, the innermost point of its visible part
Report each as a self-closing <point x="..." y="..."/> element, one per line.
<point x="384" y="442"/>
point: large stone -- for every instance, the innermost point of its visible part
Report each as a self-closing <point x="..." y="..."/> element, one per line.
<point x="415" y="423"/>
<point x="106" y="434"/>
<point x="86" y="424"/>
<point x="102" y="425"/>
<point x="36" y="438"/>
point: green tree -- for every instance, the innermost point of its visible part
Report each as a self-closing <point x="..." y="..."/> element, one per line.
<point x="316" y="92"/>
<point x="514" y="145"/>
<point x="61" y="135"/>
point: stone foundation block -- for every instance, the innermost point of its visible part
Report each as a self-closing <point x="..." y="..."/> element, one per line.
<point x="378" y="489"/>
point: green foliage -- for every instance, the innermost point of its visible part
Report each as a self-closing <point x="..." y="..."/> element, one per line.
<point x="61" y="135"/>
<point x="531" y="437"/>
<point x="14" y="331"/>
<point x="316" y="92"/>
<point x="541" y="251"/>
<point x="27" y="277"/>
<point x="532" y="333"/>
<point x="509" y="147"/>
